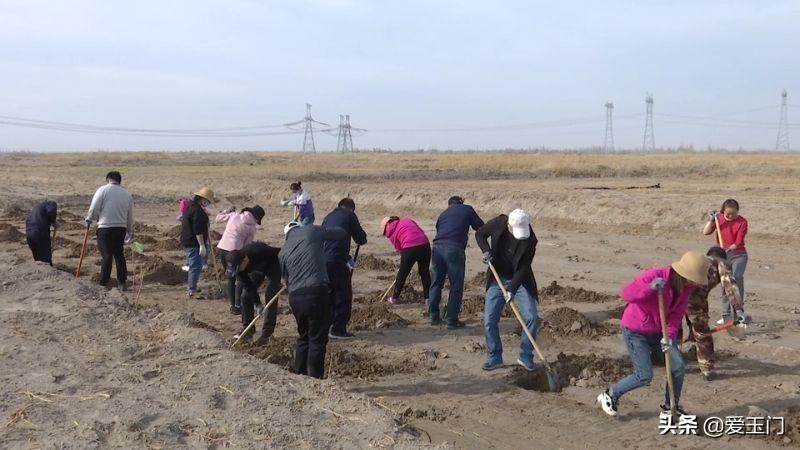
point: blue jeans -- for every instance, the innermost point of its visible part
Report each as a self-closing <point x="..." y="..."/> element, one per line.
<point x="526" y="303"/>
<point x="447" y="261"/>
<point x="195" y="263"/>
<point x="738" y="265"/>
<point x="307" y="220"/>
<point x="640" y="346"/>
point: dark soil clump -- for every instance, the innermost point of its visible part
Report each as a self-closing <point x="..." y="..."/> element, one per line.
<point x="156" y="270"/>
<point x="555" y="293"/>
<point x="565" y="321"/>
<point x="374" y="316"/>
<point x="575" y="370"/>
<point x="10" y="233"/>
<point x="371" y="262"/>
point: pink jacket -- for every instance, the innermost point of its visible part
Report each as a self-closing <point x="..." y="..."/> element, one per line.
<point x="641" y="314"/>
<point x="240" y="230"/>
<point x="405" y="233"/>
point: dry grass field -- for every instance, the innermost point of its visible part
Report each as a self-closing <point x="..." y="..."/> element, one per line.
<point x="600" y="220"/>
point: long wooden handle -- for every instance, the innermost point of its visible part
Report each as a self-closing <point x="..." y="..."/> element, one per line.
<point x="258" y="316"/>
<point x="665" y="334"/>
<point x="83" y="251"/>
<point x="391" y="286"/>
<point x="516" y="313"/>
<point x="719" y="233"/>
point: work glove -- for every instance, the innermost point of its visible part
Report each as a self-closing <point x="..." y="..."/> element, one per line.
<point x="229" y="210"/>
<point x="508" y="297"/>
<point x="712" y="215"/>
<point x="741" y="318"/>
<point x="128" y="237"/>
<point x="259" y="310"/>
<point x="657" y="284"/>
<point x="88" y="223"/>
<point x="351" y="263"/>
<point x="487" y="258"/>
<point x="284" y="202"/>
<point x="666" y="343"/>
<point x="203" y="251"/>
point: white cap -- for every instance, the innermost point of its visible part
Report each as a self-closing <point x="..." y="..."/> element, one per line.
<point x="289" y="226"/>
<point x="520" y="222"/>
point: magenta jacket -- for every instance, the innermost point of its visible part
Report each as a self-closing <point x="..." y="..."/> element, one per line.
<point x="405" y="233"/>
<point x="240" y="230"/>
<point x="641" y="314"/>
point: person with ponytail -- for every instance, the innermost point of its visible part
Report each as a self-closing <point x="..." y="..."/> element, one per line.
<point x="301" y="201"/>
<point x="732" y="232"/>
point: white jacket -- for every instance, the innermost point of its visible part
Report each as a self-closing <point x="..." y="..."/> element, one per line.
<point x="112" y="206"/>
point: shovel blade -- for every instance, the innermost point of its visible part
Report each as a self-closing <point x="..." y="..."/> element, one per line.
<point x="737" y="332"/>
<point x="553" y="381"/>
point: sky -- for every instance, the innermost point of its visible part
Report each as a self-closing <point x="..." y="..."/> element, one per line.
<point x="446" y="75"/>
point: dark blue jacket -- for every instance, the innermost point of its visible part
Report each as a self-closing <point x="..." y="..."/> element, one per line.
<point x="41" y="218"/>
<point x="339" y="250"/>
<point x="453" y="225"/>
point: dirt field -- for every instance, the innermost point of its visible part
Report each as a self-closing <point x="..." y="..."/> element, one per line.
<point x="85" y="367"/>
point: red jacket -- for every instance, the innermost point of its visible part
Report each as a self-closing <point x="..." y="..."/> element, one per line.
<point x="405" y="233"/>
<point x="733" y="232"/>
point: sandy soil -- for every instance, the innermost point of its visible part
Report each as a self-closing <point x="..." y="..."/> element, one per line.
<point x="80" y="354"/>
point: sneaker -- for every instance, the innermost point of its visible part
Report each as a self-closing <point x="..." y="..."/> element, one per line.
<point x="491" y="365"/>
<point x="205" y="267"/>
<point x="185" y="268"/>
<point x="529" y="366"/>
<point x="236" y="311"/>
<point x="664" y="414"/>
<point x="607" y="403"/>
<point x="457" y="325"/>
<point x="244" y="337"/>
<point x="340" y="336"/>
<point x="196" y="295"/>
<point x="123" y="287"/>
<point x="708" y="376"/>
<point x="261" y="341"/>
<point x="394" y="300"/>
<point x="721" y="321"/>
<point x="435" y="321"/>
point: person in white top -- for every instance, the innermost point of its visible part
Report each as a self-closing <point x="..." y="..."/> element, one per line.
<point x="112" y="207"/>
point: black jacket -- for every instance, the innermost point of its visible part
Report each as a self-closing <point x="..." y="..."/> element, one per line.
<point x="41" y="218"/>
<point x="263" y="258"/>
<point x="339" y="250"/>
<point x="193" y="222"/>
<point x="302" y="257"/>
<point x="497" y="230"/>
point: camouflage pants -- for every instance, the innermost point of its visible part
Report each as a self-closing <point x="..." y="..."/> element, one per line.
<point x="697" y="317"/>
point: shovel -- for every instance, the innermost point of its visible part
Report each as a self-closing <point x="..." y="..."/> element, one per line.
<point x="553" y="380"/>
<point x="258" y="316"/>
<point x="391" y="286"/>
<point x="729" y="286"/>
<point x="662" y="313"/>
<point x="83" y="251"/>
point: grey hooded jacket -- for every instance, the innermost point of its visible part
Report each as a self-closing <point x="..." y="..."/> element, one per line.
<point x="302" y="257"/>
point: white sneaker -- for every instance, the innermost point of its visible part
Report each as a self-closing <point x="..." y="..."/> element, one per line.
<point x="720" y="321"/>
<point x="607" y="403"/>
<point x="185" y="268"/>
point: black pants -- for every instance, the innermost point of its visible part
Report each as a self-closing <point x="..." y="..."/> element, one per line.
<point x="340" y="278"/>
<point x="234" y="291"/>
<point x="250" y="299"/>
<point x="421" y="256"/>
<point x="111" y="243"/>
<point x="312" y="310"/>
<point x="41" y="248"/>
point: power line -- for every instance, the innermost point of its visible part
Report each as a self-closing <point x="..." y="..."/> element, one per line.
<point x="79" y="126"/>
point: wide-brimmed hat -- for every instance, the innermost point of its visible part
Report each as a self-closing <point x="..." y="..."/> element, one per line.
<point x="207" y="194"/>
<point x="258" y="213"/>
<point x="520" y="222"/>
<point x="694" y="267"/>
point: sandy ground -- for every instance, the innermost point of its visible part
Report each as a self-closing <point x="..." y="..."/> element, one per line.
<point x="77" y="353"/>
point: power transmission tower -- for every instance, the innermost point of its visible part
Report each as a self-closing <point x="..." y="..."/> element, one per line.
<point x="348" y="136"/>
<point x="783" y="124"/>
<point x="341" y="133"/>
<point x="649" y="142"/>
<point x="308" y="127"/>
<point x="608" y="144"/>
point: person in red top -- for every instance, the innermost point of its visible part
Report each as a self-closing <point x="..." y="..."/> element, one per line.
<point x="732" y="230"/>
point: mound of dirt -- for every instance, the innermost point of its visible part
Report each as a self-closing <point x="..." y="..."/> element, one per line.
<point x="72" y="248"/>
<point x="174" y="232"/>
<point x="371" y="262"/>
<point x="375" y="315"/>
<point x="157" y="270"/>
<point x="475" y="304"/>
<point x="70" y="225"/>
<point x="409" y="295"/>
<point x="143" y="228"/>
<point x="564" y="321"/>
<point x="17" y="211"/>
<point x="10" y="233"/>
<point x="575" y="370"/>
<point x="555" y="293"/>
<point x="476" y="283"/>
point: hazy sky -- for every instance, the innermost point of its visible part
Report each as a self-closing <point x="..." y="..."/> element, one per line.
<point x="399" y="65"/>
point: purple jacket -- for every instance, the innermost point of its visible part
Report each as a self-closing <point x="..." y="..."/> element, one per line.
<point x="641" y="314"/>
<point x="405" y="233"/>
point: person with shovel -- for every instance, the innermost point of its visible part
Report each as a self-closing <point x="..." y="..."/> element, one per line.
<point x="252" y="264"/>
<point x="645" y="333"/>
<point x="37" y="230"/>
<point x="302" y="204"/>
<point x="341" y="265"/>
<point x="302" y="261"/>
<point x="414" y="247"/>
<point x="731" y="230"/>
<point x="510" y="253"/>
<point x="112" y="207"/>
<point x="195" y="236"/>
<point x="449" y="259"/>
<point x="240" y="230"/>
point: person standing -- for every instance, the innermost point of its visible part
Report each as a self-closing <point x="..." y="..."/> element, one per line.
<point x="733" y="230"/>
<point x="37" y="230"/>
<point x="112" y="207"/>
<point x="252" y="264"/>
<point x="449" y="259"/>
<point x="511" y="252"/>
<point x="240" y="230"/>
<point x="303" y="267"/>
<point x="340" y="264"/>
<point x="302" y="204"/>
<point x="194" y="237"/>
<point x="641" y="327"/>
<point x="414" y="247"/>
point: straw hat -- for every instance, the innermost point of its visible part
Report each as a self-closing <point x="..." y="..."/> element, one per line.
<point x="694" y="267"/>
<point x="207" y="194"/>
